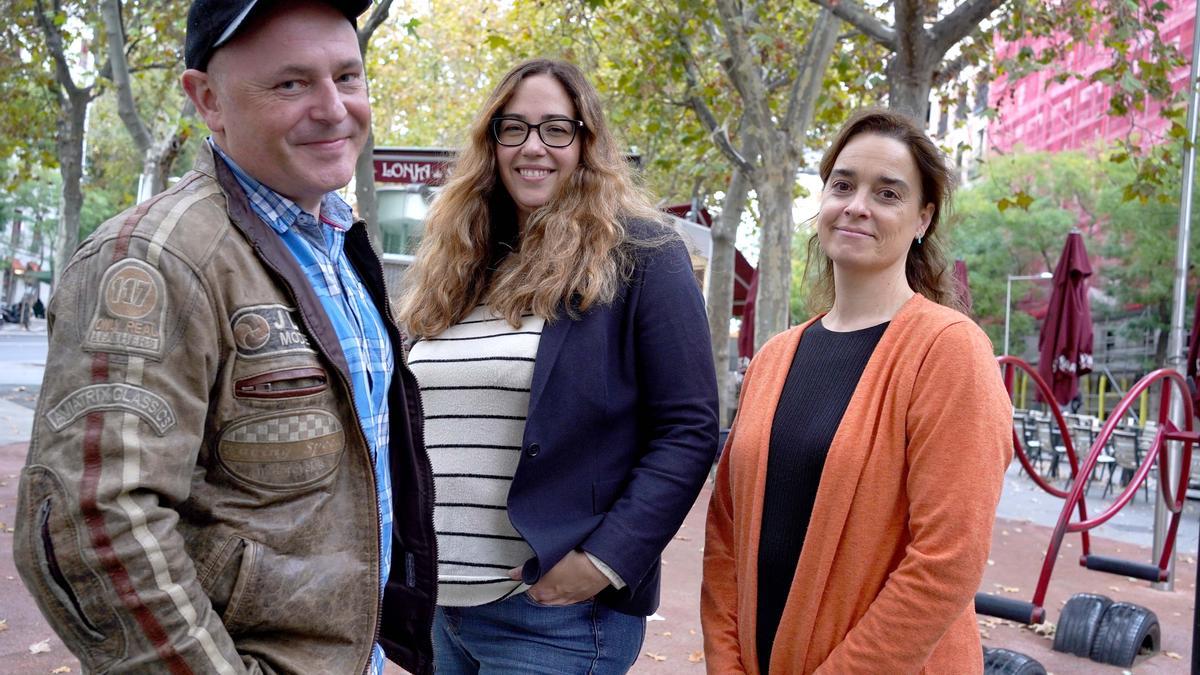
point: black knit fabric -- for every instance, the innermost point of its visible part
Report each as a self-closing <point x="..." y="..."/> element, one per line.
<point x="822" y="378"/>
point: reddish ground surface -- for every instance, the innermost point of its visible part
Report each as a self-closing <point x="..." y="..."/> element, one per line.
<point x="674" y="645"/>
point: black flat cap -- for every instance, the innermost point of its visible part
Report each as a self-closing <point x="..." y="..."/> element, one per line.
<point x="212" y="23"/>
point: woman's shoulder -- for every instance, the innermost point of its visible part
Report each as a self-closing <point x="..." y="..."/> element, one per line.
<point x="650" y="243"/>
<point x="642" y="228"/>
<point x="945" y="329"/>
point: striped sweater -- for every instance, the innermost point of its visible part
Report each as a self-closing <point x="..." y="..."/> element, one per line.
<point x="475" y="379"/>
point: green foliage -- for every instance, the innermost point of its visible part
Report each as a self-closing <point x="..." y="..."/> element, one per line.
<point x="1139" y="75"/>
<point x="33" y="201"/>
<point x="1131" y="243"/>
<point x="28" y="95"/>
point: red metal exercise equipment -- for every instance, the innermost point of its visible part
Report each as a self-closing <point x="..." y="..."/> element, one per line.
<point x="1174" y="496"/>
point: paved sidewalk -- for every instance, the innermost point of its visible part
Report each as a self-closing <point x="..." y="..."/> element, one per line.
<point x="674" y="644"/>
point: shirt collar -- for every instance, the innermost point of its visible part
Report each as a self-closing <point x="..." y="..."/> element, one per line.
<point x="278" y="211"/>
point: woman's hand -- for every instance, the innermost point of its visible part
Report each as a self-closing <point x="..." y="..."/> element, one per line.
<point x="574" y="579"/>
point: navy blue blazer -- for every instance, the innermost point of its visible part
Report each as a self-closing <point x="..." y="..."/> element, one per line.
<point x="621" y="430"/>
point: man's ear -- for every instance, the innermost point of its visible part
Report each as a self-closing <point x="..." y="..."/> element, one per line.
<point x="199" y="87"/>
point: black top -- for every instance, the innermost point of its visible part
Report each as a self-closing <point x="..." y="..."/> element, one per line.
<point x="822" y="378"/>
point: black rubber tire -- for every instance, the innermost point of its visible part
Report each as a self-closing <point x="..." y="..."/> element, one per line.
<point x="1078" y="623"/>
<point x="1008" y="662"/>
<point x="1125" y="631"/>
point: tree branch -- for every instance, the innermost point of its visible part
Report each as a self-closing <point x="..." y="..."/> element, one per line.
<point x="855" y="14"/>
<point x="718" y="132"/>
<point x="810" y="74"/>
<point x="741" y="69"/>
<point x="947" y="71"/>
<point x="958" y="24"/>
<point x="110" y="11"/>
<point x="54" y="42"/>
<point x="378" y="15"/>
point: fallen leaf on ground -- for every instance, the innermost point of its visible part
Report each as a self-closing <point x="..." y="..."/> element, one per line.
<point x="62" y="669"/>
<point x="666" y="633"/>
<point x="680" y="537"/>
<point x="692" y="631"/>
<point x="39" y="647"/>
<point x="3" y="625"/>
<point x="1173" y="655"/>
<point x="1114" y="588"/>
<point x="656" y="657"/>
<point x="696" y="657"/>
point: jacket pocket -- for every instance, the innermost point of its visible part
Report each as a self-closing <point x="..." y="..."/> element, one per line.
<point x="284" y="450"/>
<point x="236" y="584"/>
<point x="69" y="591"/>
<point x="280" y="384"/>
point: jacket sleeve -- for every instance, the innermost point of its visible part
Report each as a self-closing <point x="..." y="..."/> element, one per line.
<point x="133" y="354"/>
<point x="959" y="444"/>
<point x="677" y="394"/>
<point x="719" y="586"/>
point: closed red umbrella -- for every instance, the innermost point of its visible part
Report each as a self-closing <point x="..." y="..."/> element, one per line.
<point x="745" y="343"/>
<point x="962" y="287"/>
<point x="1065" y="343"/>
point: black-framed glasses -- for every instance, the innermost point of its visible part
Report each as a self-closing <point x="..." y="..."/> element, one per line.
<point x="555" y="133"/>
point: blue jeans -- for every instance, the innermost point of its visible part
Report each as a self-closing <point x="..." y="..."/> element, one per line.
<point x="518" y="635"/>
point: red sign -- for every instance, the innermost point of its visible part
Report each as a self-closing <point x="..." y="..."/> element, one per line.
<point x="411" y="165"/>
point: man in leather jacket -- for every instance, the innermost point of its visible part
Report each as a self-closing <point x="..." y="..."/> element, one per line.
<point x="227" y="472"/>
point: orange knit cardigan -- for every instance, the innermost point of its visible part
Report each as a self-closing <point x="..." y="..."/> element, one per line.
<point x="902" y="522"/>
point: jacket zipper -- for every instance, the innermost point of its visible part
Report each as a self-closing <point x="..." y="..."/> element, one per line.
<point x="432" y="500"/>
<point x="358" y="425"/>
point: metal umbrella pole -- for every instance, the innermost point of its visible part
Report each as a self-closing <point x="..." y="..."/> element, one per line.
<point x="1179" y="303"/>
<point x="1176" y="346"/>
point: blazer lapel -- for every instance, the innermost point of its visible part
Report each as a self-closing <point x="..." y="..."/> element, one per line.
<point x="549" y="347"/>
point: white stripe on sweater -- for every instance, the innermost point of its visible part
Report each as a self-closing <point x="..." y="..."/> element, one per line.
<point x="475" y="379"/>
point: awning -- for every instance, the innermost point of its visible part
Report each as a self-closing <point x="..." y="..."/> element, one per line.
<point x="743" y="271"/>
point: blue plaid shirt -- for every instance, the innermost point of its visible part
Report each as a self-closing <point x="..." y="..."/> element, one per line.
<point x="319" y="248"/>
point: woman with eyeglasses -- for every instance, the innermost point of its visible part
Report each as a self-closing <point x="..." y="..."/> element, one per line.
<point x="569" y="397"/>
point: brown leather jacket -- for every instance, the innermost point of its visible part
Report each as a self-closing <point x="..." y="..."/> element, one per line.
<point x="199" y="496"/>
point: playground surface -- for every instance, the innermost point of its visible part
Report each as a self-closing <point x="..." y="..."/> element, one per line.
<point x="673" y="640"/>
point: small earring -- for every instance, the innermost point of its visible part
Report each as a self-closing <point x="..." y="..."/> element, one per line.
<point x="919" y="237"/>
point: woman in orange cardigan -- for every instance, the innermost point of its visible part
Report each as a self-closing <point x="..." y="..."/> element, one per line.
<point x="852" y="514"/>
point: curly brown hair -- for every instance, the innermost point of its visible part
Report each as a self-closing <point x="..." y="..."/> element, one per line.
<point x="925" y="266"/>
<point x="572" y="252"/>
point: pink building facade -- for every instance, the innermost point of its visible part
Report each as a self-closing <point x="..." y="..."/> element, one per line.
<point x="1039" y="114"/>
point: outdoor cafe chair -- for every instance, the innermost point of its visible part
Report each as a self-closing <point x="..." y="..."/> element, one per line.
<point x="1023" y="424"/>
<point x="1127" y="455"/>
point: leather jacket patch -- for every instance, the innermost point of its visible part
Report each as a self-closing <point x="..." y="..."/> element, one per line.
<point x="130" y="312"/>
<point x="152" y="408"/>
<point x="283" y="450"/>
<point x="267" y="330"/>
